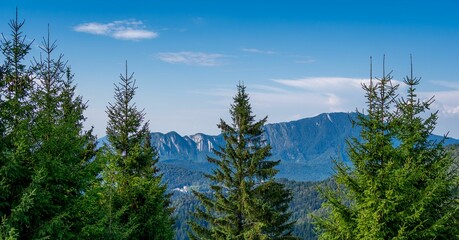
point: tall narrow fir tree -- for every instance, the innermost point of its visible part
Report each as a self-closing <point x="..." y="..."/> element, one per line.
<point x="245" y="201"/>
<point x="63" y="149"/>
<point x="16" y="193"/>
<point x="135" y="201"/>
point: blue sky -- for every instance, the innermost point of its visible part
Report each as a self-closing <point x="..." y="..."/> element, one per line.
<point x="297" y="58"/>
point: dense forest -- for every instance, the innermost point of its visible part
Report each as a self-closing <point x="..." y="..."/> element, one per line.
<point x="56" y="182"/>
<point x="305" y="200"/>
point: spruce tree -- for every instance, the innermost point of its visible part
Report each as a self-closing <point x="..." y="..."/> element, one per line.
<point x="45" y="154"/>
<point x="63" y="149"/>
<point x="245" y="201"/>
<point x="429" y="209"/>
<point x="134" y="201"/>
<point x="16" y="192"/>
<point x="400" y="185"/>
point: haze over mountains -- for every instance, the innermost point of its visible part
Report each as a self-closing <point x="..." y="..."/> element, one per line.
<point x="306" y="147"/>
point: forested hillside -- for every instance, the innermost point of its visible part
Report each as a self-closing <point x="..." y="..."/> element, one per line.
<point x="306" y="199"/>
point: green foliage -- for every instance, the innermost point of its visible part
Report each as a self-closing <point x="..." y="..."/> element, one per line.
<point x="16" y="191"/>
<point x="245" y="201"/>
<point x="129" y="193"/>
<point x="64" y="149"/>
<point x="45" y="153"/>
<point x="305" y="199"/>
<point x="401" y="185"/>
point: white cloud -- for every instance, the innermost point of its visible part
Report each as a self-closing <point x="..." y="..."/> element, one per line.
<point x="309" y="103"/>
<point x="254" y="50"/>
<point x="447" y="84"/>
<point x="291" y="99"/>
<point x="323" y="83"/>
<point x="331" y="94"/>
<point x="192" y="58"/>
<point x="134" y="34"/>
<point x="446" y="102"/>
<point x="93" y="28"/>
<point x="306" y="61"/>
<point x="124" y="30"/>
<point x="267" y="88"/>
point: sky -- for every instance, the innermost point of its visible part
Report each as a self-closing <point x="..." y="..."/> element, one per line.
<point x="297" y="58"/>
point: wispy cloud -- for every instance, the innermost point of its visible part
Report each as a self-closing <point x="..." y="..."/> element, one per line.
<point x="446" y="101"/>
<point x="292" y="99"/>
<point x="192" y="58"/>
<point x="266" y="88"/>
<point x="447" y="104"/>
<point x="313" y="95"/>
<point x="124" y="30"/>
<point x="306" y="61"/>
<point x="447" y="84"/>
<point x="255" y="50"/>
<point x="198" y="20"/>
<point x="323" y="83"/>
<point x="345" y="94"/>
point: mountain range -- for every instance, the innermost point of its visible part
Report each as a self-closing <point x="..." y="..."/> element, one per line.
<point x="306" y="147"/>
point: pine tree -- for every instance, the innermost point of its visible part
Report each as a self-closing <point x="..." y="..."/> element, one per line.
<point x="400" y="185"/>
<point x="134" y="202"/>
<point x="245" y="202"/>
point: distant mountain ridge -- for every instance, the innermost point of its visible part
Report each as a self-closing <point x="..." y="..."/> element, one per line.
<point x="300" y="141"/>
<point x="194" y="148"/>
<point x="306" y="147"/>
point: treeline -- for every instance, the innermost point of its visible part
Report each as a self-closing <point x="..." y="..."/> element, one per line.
<point x="55" y="183"/>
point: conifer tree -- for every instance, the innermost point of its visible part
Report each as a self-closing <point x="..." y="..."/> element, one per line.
<point x="245" y="201"/>
<point x="16" y="192"/>
<point x="45" y="154"/>
<point x="430" y="208"/>
<point x="400" y="185"/>
<point x="134" y="202"/>
<point x="63" y="149"/>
